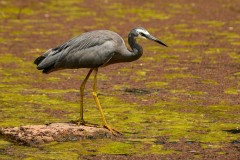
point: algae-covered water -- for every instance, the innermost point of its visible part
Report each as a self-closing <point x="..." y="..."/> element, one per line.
<point x="189" y="90"/>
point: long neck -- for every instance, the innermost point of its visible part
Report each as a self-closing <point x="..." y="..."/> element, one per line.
<point x="137" y="50"/>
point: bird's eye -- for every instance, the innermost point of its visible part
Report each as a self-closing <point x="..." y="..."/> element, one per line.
<point x="141" y="34"/>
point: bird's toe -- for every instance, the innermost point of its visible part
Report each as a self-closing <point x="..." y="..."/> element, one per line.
<point x="113" y="131"/>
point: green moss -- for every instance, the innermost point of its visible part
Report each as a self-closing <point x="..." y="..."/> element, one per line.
<point x="231" y="91"/>
<point x="145" y="14"/>
<point x="206" y="145"/>
<point x="20" y="110"/>
<point x="2" y="40"/>
<point x="198" y="59"/>
<point x="3" y="145"/>
<point x="235" y="43"/>
<point x="179" y="124"/>
<point x="10" y="11"/>
<point x="215" y="136"/>
<point x="174" y="91"/>
<point x="196" y="93"/>
<point x="191" y="30"/>
<point x="156" y="84"/>
<point x="120" y="87"/>
<point x="215" y="51"/>
<point x="210" y="81"/>
<point x="212" y="23"/>
<point x="141" y="73"/>
<point x="234" y="56"/>
<point x="186" y="43"/>
<point x="175" y="68"/>
<point x="93" y="147"/>
<point x="229" y="35"/>
<point x="182" y="50"/>
<point x="165" y="56"/>
<point x="237" y="74"/>
<point x="178" y="75"/>
<point x="157" y="149"/>
<point x="117" y="148"/>
<point x="70" y="9"/>
<point x="57" y="91"/>
<point x="125" y="69"/>
<point x="9" y="58"/>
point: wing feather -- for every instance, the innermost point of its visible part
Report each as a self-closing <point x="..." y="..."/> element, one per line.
<point x="85" y="45"/>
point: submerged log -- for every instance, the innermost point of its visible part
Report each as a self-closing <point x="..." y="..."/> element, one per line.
<point x="34" y="135"/>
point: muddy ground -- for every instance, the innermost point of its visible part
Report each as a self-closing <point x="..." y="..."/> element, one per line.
<point x="180" y="102"/>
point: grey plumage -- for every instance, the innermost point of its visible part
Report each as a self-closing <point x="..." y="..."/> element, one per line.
<point x="92" y="50"/>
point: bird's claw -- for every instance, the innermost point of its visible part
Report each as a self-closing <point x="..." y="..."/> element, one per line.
<point x="84" y="123"/>
<point x="113" y="131"/>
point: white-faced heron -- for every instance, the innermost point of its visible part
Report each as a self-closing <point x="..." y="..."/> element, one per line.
<point x="93" y="50"/>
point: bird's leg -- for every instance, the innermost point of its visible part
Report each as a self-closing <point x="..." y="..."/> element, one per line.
<point x="82" y="87"/>
<point x="95" y="96"/>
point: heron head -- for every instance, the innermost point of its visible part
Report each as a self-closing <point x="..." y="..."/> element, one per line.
<point x="143" y="33"/>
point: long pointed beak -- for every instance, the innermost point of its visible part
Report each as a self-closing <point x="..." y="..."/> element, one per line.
<point x="156" y="40"/>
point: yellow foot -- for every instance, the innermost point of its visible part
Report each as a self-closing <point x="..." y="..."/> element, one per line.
<point x="113" y="131"/>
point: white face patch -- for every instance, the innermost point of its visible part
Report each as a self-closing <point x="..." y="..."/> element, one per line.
<point x="139" y="30"/>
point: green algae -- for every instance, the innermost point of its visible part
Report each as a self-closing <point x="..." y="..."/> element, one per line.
<point x="233" y="91"/>
<point x="9" y="11"/>
<point x="2" y="40"/>
<point x="235" y="43"/>
<point x="234" y="56"/>
<point x="53" y="79"/>
<point x="210" y="81"/>
<point x="141" y="73"/>
<point x="215" y="51"/>
<point x="179" y="75"/>
<point x="212" y="23"/>
<point x="160" y="57"/>
<point x="182" y="50"/>
<point x="229" y="35"/>
<point x="162" y="118"/>
<point x="145" y="14"/>
<point x="70" y="9"/>
<point x="25" y="101"/>
<point x="176" y="68"/>
<point x="187" y="43"/>
<point x="74" y="150"/>
<point x="192" y="30"/>
<point x="121" y="86"/>
<point x="156" y="84"/>
<point x="117" y="148"/>
<point x="196" y="93"/>
<point x="9" y="58"/>
<point x="186" y="123"/>
<point x="3" y="144"/>
<point x="198" y="59"/>
<point x="157" y="149"/>
<point x="57" y="91"/>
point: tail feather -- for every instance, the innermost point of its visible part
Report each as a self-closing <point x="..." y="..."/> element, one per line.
<point x="46" y="62"/>
<point x="42" y="57"/>
<point x="48" y="69"/>
<point x="39" y="60"/>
